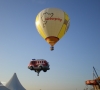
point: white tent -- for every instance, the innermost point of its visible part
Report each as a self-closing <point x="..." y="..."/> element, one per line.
<point x="1" y="84"/>
<point x="2" y="87"/>
<point x="14" y="83"/>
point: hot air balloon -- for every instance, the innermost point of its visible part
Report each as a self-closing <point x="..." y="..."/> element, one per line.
<point x="52" y="24"/>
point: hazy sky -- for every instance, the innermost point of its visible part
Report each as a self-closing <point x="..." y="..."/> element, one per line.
<point x="74" y="56"/>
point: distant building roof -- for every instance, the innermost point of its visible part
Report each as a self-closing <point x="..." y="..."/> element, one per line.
<point x="14" y="83"/>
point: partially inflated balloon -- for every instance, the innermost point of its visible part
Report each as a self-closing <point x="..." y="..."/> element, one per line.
<point x="52" y="24"/>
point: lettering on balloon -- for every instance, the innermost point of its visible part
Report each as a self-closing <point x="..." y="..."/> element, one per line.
<point x="54" y="19"/>
<point x="49" y="16"/>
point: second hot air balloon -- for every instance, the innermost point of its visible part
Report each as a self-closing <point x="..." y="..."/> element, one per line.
<point x="52" y="24"/>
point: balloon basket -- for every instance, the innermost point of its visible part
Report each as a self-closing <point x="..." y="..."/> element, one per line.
<point x="51" y="48"/>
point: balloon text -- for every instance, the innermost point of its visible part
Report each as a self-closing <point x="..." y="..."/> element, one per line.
<point x="53" y="19"/>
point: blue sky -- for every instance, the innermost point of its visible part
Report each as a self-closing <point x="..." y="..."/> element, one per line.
<point x="74" y="56"/>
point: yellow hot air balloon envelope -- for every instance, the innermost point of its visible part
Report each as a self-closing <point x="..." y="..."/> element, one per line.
<point x="52" y="24"/>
